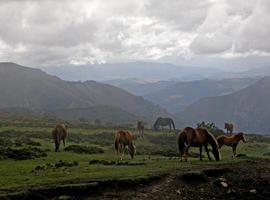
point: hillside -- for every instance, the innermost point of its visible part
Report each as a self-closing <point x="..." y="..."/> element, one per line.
<point x="248" y="108"/>
<point x="178" y="96"/>
<point x="140" y="87"/>
<point x="36" y="90"/>
<point x="102" y="113"/>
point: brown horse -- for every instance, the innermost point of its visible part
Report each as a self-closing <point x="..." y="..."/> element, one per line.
<point x="123" y="140"/>
<point x="199" y="137"/>
<point x="229" y="127"/>
<point x="140" y="127"/>
<point x="59" y="133"/>
<point x="231" y="141"/>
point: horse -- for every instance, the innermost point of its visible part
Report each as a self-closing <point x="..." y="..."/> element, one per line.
<point x="59" y="133"/>
<point x="163" y="122"/>
<point x="199" y="137"/>
<point x="140" y="127"/>
<point x="229" y="127"/>
<point x="231" y="141"/>
<point x="123" y="140"/>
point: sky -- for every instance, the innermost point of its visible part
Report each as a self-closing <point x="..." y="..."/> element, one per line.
<point x="211" y="33"/>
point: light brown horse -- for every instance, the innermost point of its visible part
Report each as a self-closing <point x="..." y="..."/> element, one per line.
<point x="140" y="127"/>
<point x="199" y="137"/>
<point x="123" y="140"/>
<point x="231" y="141"/>
<point x="229" y="127"/>
<point x="59" y="133"/>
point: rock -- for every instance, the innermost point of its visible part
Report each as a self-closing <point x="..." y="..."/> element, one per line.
<point x="224" y="184"/>
<point x="221" y="182"/>
<point x="253" y="191"/>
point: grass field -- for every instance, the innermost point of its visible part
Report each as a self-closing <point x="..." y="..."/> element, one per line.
<point x="156" y="154"/>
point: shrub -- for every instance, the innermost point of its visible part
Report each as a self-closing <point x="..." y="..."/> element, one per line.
<point x="84" y="149"/>
<point x="22" y="153"/>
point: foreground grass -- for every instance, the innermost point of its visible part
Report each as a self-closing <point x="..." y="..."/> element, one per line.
<point x="19" y="175"/>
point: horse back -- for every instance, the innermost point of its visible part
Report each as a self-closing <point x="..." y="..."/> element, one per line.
<point x="59" y="132"/>
<point x="123" y="137"/>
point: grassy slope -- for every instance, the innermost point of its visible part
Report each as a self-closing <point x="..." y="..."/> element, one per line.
<point x="18" y="174"/>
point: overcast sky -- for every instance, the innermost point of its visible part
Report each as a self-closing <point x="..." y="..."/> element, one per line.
<point x="211" y="33"/>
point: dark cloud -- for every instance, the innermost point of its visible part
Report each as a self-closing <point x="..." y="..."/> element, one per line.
<point x="77" y="32"/>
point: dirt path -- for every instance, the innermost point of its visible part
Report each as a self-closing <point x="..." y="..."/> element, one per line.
<point x="247" y="180"/>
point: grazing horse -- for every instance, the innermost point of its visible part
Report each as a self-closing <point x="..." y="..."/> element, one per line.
<point x="199" y="137"/>
<point x="59" y="133"/>
<point x="231" y="141"/>
<point x="229" y="127"/>
<point x="123" y="140"/>
<point x="163" y="122"/>
<point x="140" y="127"/>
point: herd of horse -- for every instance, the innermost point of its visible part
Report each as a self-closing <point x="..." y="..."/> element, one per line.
<point x="187" y="137"/>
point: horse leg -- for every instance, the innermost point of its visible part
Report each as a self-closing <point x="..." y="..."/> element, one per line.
<point x="123" y="152"/>
<point x="186" y="153"/>
<point x="206" y="149"/>
<point x="234" y="150"/>
<point x="182" y="151"/>
<point x="64" y="143"/>
<point x="200" y="153"/>
<point x="56" y="146"/>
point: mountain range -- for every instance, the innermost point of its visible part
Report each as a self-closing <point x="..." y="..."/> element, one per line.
<point x="242" y="101"/>
<point x="178" y="96"/>
<point x="248" y="108"/>
<point x="147" y="71"/>
<point x="23" y="87"/>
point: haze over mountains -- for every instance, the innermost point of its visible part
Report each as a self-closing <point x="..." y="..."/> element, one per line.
<point x="248" y="108"/>
<point x="179" y="95"/>
<point x="176" y="95"/>
<point x="33" y="89"/>
<point x="147" y="71"/>
<point x="243" y="101"/>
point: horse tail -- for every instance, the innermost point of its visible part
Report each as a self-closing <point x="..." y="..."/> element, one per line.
<point x="116" y="142"/>
<point x="215" y="147"/>
<point x="181" y="143"/>
<point x="173" y="124"/>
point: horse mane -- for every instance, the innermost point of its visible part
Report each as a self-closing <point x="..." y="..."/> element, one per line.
<point x="212" y="139"/>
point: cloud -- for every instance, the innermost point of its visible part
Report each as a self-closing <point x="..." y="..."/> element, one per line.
<point x="47" y="32"/>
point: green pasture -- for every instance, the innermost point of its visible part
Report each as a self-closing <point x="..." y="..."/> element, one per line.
<point x="22" y="174"/>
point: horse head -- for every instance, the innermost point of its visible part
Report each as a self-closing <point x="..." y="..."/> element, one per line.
<point x="242" y="137"/>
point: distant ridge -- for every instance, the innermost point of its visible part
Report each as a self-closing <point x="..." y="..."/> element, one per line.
<point x="33" y="89"/>
<point x="248" y="108"/>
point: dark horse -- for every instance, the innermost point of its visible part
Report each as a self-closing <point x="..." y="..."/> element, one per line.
<point x="160" y="122"/>
<point x="59" y="133"/>
<point x="231" y="141"/>
<point x="199" y="137"/>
